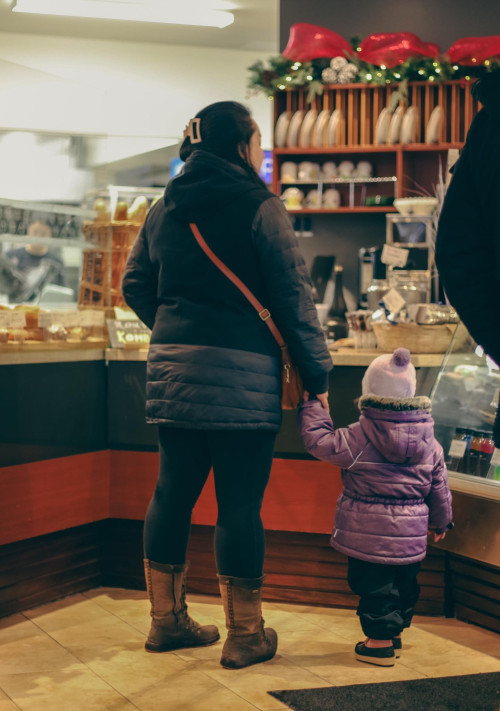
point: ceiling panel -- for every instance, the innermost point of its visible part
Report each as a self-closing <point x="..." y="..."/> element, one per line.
<point x="255" y="28"/>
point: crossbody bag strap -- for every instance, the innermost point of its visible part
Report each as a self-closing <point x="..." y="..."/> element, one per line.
<point x="263" y="312"/>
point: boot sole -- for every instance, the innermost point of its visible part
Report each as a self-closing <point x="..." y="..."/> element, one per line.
<point x="379" y="662"/>
<point x="229" y="664"/>
<point x="178" y="645"/>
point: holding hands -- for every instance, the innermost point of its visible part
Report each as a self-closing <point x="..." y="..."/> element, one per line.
<point x="322" y="397"/>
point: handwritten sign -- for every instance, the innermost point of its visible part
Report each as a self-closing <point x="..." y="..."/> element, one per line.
<point x="128" y="334"/>
<point x="12" y="319"/>
<point x="394" y="256"/>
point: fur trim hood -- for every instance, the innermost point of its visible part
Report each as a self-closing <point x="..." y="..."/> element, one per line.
<point x="406" y="404"/>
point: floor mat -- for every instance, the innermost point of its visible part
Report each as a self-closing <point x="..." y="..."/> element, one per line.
<point x="474" y="692"/>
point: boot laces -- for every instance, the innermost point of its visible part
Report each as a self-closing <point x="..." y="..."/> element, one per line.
<point x="191" y="624"/>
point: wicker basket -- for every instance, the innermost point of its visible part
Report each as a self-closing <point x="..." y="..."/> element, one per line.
<point x="104" y="262"/>
<point x="418" y="339"/>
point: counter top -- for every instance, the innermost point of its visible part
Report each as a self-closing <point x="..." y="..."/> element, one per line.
<point x="473" y="485"/>
<point x="342" y="357"/>
<point x="362" y="357"/>
<point x="62" y="355"/>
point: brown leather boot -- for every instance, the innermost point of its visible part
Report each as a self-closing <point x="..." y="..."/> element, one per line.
<point x="247" y="641"/>
<point x="172" y="628"/>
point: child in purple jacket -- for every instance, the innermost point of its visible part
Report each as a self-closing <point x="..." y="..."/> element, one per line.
<point x="395" y="489"/>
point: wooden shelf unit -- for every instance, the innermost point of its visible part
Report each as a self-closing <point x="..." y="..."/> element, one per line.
<point x="415" y="165"/>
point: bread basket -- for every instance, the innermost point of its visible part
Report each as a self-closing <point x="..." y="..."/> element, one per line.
<point x="419" y="339"/>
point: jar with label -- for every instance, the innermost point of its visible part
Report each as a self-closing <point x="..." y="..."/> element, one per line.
<point x="467" y="437"/>
<point x="414" y="289"/>
<point x="485" y="455"/>
<point x="378" y="287"/>
<point x="457" y="450"/>
<point x="472" y="463"/>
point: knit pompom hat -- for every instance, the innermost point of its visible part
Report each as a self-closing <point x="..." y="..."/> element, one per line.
<point x="391" y="376"/>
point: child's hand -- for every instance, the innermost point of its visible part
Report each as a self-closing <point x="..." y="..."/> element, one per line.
<point x="323" y="398"/>
<point x="438" y="536"/>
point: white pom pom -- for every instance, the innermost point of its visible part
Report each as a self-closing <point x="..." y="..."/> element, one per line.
<point x="338" y="63"/>
<point x="329" y="76"/>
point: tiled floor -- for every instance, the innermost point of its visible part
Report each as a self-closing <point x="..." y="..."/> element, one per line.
<point x="86" y="653"/>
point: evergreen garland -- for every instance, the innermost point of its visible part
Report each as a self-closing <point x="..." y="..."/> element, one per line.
<point x="281" y="73"/>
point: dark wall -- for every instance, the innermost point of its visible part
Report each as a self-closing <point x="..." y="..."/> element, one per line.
<point x="342" y="235"/>
<point x="440" y="21"/>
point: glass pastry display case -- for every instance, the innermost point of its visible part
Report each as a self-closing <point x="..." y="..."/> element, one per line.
<point x="61" y="266"/>
<point x="464" y="403"/>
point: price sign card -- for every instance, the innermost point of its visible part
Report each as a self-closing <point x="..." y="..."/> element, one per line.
<point x="457" y="448"/>
<point x="12" y="319"/>
<point x="393" y="301"/>
<point x="394" y="256"/>
<point x="128" y="334"/>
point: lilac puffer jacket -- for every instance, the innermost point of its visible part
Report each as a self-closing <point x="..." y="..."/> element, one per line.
<point x="394" y="476"/>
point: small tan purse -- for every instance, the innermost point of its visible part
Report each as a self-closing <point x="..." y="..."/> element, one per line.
<point x="292" y="389"/>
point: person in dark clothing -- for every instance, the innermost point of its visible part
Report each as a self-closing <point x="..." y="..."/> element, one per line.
<point x="468" y="238"/>
<point x="213" y="378"/>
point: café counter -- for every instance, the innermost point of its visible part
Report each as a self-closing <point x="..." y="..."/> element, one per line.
<point x="78" y="465"/>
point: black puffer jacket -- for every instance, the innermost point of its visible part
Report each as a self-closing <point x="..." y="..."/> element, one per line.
<point x="213" y="364"/>
<point x="468" y="240"/>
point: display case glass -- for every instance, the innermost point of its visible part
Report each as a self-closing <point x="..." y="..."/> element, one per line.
<point x="464" y="403"/>
<point x="70" y="210"/>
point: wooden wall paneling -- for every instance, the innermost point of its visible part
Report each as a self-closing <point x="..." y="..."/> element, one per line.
<point x="42" y="569"/>
<point x="300" y="567"/>
<point x="475" y="588"/>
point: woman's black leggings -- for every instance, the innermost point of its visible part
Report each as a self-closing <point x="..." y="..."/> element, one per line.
<point x="241" y="460"/>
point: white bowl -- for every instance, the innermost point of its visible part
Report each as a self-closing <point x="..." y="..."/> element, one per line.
<point x="421" y="206"/>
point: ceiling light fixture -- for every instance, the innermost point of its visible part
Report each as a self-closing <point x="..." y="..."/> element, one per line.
<point x="178" y="12"/>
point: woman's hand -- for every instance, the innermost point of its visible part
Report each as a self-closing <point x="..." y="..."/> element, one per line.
<point x="322" y="397"/>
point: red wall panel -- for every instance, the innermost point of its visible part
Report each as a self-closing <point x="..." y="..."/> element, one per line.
<point x="55" y="494"/>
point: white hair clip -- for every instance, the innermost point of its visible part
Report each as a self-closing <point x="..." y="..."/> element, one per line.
<point x="192" y="130"/>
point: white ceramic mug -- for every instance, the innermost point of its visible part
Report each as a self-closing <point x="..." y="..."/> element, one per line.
<point x="331" y="198"/>
<point x="329" y="170"/>
<point x="288" y="172"/>
<point x="308" y="170"/>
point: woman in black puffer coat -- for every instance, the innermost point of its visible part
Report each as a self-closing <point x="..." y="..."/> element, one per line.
<point x="214" y="370"/>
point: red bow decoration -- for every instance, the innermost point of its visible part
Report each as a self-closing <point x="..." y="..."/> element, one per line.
<point x="393" y="48"/>
<point x="467" y="49"/>
<point x="308" y="42"/>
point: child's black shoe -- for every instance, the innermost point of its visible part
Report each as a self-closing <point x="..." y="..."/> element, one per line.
<point x="381" y="656"/>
